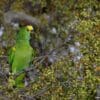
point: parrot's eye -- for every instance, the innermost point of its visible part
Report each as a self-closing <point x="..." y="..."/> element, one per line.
<point x="29" y="27"/>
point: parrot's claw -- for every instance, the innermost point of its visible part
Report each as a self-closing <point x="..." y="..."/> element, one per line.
<point x="11" y="74"/>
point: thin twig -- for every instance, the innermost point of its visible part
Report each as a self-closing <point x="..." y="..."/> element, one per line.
<point x="3" y="56"/>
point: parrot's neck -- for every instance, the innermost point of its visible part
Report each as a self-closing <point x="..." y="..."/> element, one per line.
<point x="23" y="41"/>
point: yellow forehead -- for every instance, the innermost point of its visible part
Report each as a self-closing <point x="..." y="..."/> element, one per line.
<point x="29" y="27"/>
<point x="14" y="49"/>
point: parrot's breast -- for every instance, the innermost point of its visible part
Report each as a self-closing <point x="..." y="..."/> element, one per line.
<point x="22" y="58"/>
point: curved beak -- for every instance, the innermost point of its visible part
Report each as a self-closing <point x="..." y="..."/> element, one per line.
<point x="29" y="28"/>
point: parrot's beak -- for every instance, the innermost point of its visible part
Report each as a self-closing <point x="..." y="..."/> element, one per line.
<point x="29" y="28"/>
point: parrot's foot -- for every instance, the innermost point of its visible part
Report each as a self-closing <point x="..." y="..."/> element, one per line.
<point x="11" y="81"/>
<point x="11" y="74"/>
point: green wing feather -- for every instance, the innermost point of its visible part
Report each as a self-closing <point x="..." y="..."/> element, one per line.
<point x="11" y="55"/>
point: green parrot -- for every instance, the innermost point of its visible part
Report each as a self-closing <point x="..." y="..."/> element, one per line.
<point x="21" y="54"/>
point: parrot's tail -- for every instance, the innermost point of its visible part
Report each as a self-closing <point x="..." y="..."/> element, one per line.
<point x="19" y="81"/>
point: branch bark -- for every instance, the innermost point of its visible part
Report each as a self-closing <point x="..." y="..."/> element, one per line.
<point x="11" y="15"/>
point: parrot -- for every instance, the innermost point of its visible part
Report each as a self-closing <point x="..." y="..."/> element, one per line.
<point x="20" y="55"/>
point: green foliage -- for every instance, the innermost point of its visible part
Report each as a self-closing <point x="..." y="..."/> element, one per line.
<point x="85" y="26"/>
<point x="65" y="80"/>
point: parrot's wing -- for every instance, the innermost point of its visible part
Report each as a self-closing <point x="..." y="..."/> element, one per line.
<point x="11" y="55"/>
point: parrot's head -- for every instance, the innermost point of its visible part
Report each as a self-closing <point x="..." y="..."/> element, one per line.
<point x="29" y="28"/>
<point x="24" y="33"/>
